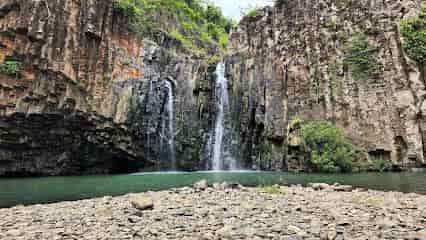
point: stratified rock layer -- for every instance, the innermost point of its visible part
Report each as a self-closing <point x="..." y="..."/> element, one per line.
<point x="286" y="63"/>
<point x="89" y="96"/>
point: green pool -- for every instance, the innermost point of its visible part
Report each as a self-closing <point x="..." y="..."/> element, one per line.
<point x="53" y="189"/>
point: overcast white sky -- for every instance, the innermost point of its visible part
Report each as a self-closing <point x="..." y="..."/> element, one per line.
<point x="232" y="8"/>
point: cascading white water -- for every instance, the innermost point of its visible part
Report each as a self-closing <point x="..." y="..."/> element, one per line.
<point x="219" y="161"/>
<point x="170" y="135"/>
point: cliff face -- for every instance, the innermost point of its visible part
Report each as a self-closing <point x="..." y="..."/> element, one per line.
<point x="88" y="96"/>
<point x="286" y="63"/>
<point x="80" y="93"/>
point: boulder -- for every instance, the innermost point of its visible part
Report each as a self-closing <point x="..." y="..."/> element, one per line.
<point x="141" y="202"/>
<point x="226" y="185"/>
<point x="201" y="185"/>
<point x="319" y="186"/>
<point x="217" y="186"/>
<point x="343" y="188"/>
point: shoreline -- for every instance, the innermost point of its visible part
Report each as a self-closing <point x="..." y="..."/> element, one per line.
<point x="408" y="170"/>
<point x="226" y="211"/>
<point x="56" y="189"/>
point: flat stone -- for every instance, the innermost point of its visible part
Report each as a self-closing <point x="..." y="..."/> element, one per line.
<point x="296" y="230"/>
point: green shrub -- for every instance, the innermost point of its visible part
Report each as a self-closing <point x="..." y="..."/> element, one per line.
<point x="199" y="25"/>
<point x="360" y="58"/>
<point x="253" y="12"/>
<point x="333" y="71"/>
<point x="11" y="67"/>
<point x="328" y="148"/>
<point x="180" y="38"/>
<point x="139" y="22"/>
<point x="273" y="189"/>
<point x="413" y="30"/>
<point x="379" y="164"/>
<point x="330" y="23"/>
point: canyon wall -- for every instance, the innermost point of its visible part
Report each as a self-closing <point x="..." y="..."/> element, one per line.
<point x="80" y="93"/>
<point x="285" y="64"/>
<point x="85" y="95"/>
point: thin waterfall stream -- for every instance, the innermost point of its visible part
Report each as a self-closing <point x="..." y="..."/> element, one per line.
<point x="169" y="137"/>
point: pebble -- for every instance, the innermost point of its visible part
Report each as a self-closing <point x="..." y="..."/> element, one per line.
<point x="225" y="211"/>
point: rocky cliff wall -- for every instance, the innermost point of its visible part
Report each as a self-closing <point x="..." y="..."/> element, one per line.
<point x="85" y="95"/>
<point x="286" y="63"/>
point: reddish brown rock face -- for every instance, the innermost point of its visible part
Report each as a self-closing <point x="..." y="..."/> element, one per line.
<point x="82" y="42"/>
<point x="281" y="68"/>
<point x="57" y="114"/>
<point x="89" y="95"/>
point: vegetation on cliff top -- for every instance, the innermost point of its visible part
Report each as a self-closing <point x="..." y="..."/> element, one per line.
<point x="253" y="12"/>
<point x="360" y="58"/>
<point x="196" y="25"/>
<point x="413" y="30"/>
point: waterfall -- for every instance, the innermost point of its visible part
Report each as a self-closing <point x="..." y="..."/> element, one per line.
<point x="220" y="159"/>
<point x="169" y="136"/>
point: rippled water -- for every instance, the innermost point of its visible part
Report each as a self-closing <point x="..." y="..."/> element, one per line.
<point x="54" y="189"/>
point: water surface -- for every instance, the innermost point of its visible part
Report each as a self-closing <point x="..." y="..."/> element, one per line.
<point x="54" y="189"/>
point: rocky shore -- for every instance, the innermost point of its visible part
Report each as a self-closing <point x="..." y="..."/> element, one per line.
<point x="225" y="211"/>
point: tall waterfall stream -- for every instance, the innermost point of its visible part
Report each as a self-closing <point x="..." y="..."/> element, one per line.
<point x="169" y="134"/>
<point x="221" y="159"/>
